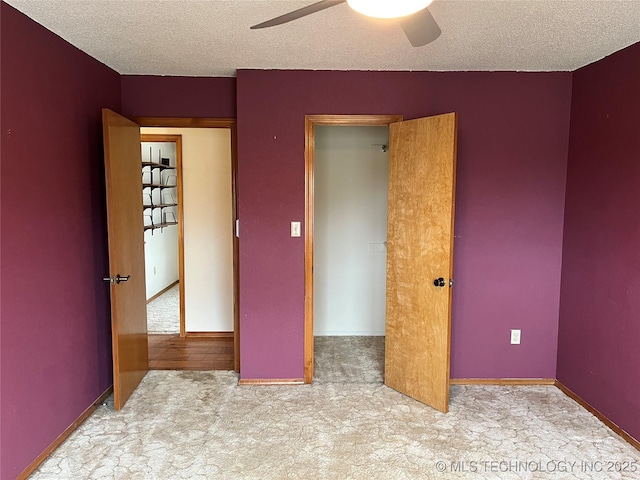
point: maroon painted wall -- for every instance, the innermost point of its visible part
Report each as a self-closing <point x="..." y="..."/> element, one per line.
<point x="513" y="137"/>
<point x="514" y="130"/>
<point x="55" y="347"/>
<point x="153" y="96"/>
<point x="599" y="333"/>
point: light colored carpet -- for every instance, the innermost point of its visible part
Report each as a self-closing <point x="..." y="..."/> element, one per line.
<point x="163" y="313"/>
<point x="201" y="425"/>
<point x="348" y="360"/>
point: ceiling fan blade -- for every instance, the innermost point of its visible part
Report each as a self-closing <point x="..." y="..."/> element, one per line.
<point x="420" y="28"/>
<point x="301" y="12"/>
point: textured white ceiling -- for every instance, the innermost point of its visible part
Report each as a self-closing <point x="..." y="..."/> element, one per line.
<point x="212" y="37"/>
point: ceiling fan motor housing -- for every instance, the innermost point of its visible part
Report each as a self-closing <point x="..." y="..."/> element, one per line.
<point x="388" y="8"/>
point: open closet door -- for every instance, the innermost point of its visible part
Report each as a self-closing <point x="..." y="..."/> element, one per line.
<point x="122" y="161"/>
<point x="422" y="165"/>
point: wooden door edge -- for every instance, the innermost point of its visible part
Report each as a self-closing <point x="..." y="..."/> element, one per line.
<point x="451" y="279"/>
<point x="106" y="113"/>
<point x="310" y="122"/>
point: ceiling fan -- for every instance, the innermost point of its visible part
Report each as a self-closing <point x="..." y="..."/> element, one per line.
<point x="413" y="16"/>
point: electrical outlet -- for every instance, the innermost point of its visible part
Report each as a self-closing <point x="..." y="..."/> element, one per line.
<point x="515" y="337"/>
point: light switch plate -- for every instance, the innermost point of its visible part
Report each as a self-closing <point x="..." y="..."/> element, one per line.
<point x="295" y="229"/>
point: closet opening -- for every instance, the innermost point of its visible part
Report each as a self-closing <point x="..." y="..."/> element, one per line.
<point x="350" y="221"/>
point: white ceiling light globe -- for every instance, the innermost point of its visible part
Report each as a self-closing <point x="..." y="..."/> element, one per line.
<point x="388" y="8"/>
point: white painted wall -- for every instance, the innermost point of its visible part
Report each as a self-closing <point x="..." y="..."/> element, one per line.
<point x="350" y="227"/>
<point x="160" y="246"/>
<point x="208" y="235"/>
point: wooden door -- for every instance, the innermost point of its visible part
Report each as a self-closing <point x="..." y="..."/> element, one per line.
<point x="422" y="165"/>
<point x="122" y="161"/>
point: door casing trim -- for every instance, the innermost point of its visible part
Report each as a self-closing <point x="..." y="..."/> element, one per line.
<point x="310" y="122"/>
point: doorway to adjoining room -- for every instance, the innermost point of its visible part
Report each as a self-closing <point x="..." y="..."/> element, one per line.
<point x="162" y="208"/>
<point x="189" y="247"/>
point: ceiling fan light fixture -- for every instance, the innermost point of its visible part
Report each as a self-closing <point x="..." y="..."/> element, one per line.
<point x="388" y="8"/>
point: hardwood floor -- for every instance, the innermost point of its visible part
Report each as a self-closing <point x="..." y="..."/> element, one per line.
<point x="171" y="352"/>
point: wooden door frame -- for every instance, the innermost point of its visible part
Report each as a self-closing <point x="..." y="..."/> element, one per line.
<point x="177" y="139"/>
<point x="231" y="124"/>
<point x="310" y="122"/>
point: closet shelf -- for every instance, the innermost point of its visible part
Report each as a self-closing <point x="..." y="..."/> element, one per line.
<point x="156" y="185"/>
<point x="160" y="225"/>
<point x="161" y="166"/>
<point x="161" y="205"/>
